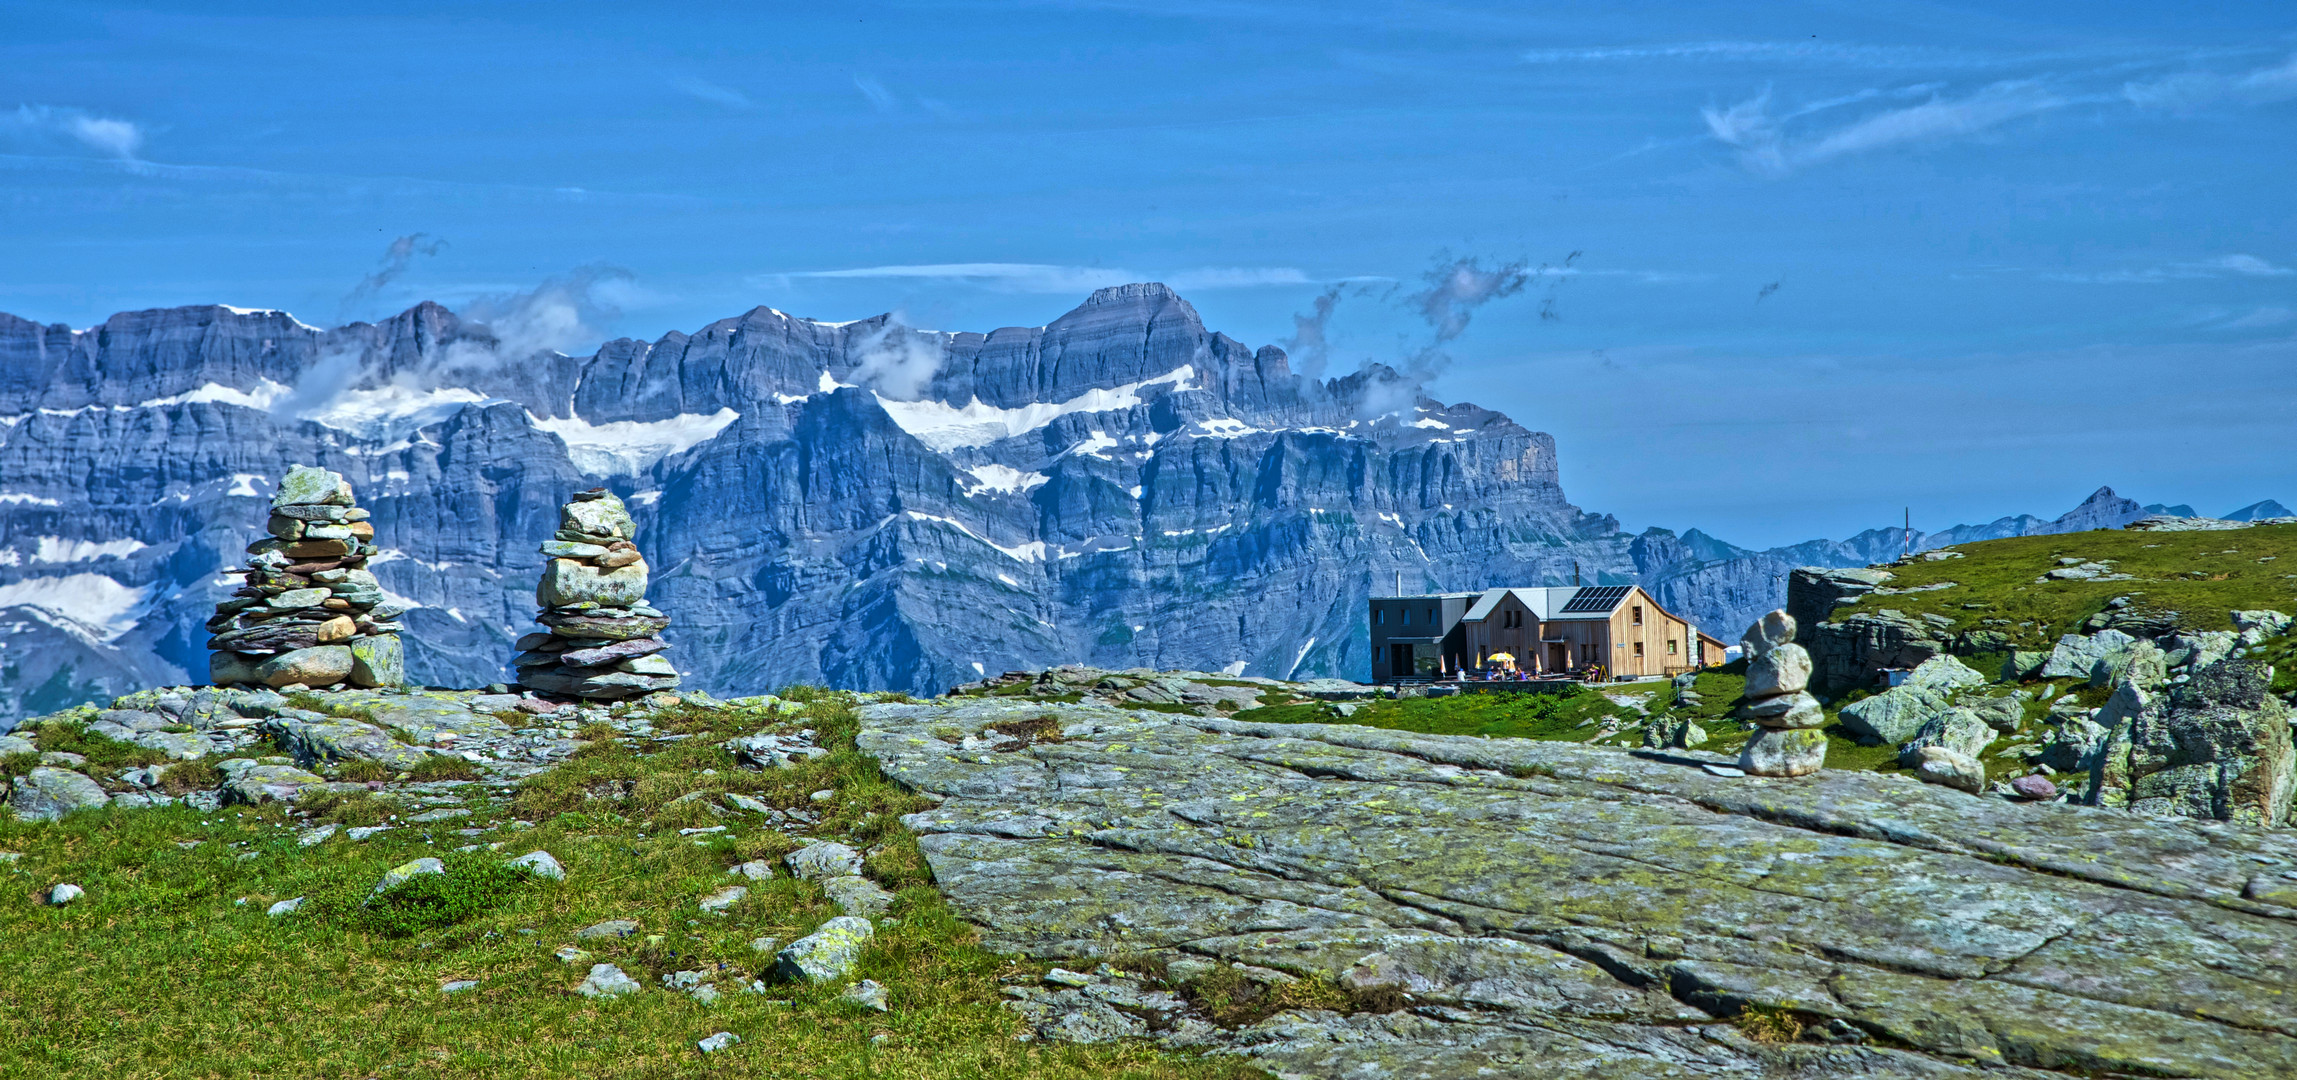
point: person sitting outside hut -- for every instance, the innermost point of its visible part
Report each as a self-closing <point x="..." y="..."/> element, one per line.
<point x="1503" y="665"/>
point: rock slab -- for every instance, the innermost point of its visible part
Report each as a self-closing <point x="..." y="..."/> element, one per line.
<point x="1580" y="911"/>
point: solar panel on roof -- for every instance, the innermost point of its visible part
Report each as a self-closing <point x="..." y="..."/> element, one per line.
<point x="1596" y="598"/>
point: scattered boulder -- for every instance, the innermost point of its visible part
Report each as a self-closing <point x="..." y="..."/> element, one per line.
<point x="47" y="793"/>
<point x="714" y="1043"/>
<point x="827" y="954"/>
<point x="1958" y="730"/>
<point x="2034" y="787"/>
<point x="823" y="859"/>
<point x="2266" y="623"/>
<point x="857" y="895"/>
<point x="408" y="871"/>
<point x="2077" y="656"/>
<point x="716" y="903"/>
<point x="611" y="928"/>
<point x="252" y="782"/>
<point x="770" y="751"/>
<point x="866" y="994"/>
<point x="312" y="737"/>
<point x="1951" y="768"/>
<point x="65" y="894"/>
<point x="607" y="981"/>
<point x="178" y="745"/>
<point x="284" y="907"/>
<point x="540" y="864"/>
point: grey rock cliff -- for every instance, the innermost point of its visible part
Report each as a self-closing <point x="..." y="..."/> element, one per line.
<point x="1122" y="487"/>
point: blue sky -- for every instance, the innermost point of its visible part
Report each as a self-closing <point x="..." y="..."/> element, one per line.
<point x="1832" y="259"/>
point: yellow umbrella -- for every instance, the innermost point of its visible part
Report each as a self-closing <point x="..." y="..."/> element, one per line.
<point x="1503" y="659"/>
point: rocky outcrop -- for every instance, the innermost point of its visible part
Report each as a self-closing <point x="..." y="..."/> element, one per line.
<point x="2209" y="741"/>
<point x="1574" y="911"/>
<point x="1854" y="650"/>
<point x="1813" y="592"/>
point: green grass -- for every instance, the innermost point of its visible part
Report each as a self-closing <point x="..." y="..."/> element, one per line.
<point x="162" y="970"/>
<point x="2203" y="576"/>
<point x="1573" y="718"/>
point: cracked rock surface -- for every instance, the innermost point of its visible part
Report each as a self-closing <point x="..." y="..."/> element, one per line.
<point x="1579" y="911"/>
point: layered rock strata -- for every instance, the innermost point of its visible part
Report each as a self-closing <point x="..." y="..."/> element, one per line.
<point x="310" y="614"/>
<point x="1787" y="740"/>
<point x="602" y="641"/>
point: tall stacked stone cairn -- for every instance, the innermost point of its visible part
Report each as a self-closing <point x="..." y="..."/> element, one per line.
<point x="310" y="614"/>
<point x="1787" y="740"/>
<point x="603" y="642"/>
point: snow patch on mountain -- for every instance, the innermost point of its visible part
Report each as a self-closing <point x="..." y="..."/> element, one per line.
<point x="91" y="600"/>
<point x="630" y="447"/>
<point x="387" y="412"/>
<point x="56" y="549"/>
<point x="1003" y="479"/>
<point x="943" y="427"/>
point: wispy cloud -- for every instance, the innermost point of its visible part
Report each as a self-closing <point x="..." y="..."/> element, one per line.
<point x="879" y="97"/>
<point x="1811" y="54"/>
<point x="106" y="135"/>
<point x="713" y="93"/>
<point x="2222" y="266"/>
<point x="1766" y="146"/>
<point x="2191" y="90"/>
<point x="1768" y="52"/>
<point x="396" y="259"/>
<point x="1049" y="278"/>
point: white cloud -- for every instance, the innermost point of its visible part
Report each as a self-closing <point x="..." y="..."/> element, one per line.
<point x="2221" y="266"/>
<point x="2249" y="266"/>
<point x="897" y="362"/>
<point x="1768" y="52"/>
<point x="1048" y="278"/>
<point x="879" y="97"/>
<point x="106" y="135"/>
<point x="1765" y="147"/>
<point x="713" y="93"/>
<point x="2193" y="89"/>
<point x="2260" y="319"/>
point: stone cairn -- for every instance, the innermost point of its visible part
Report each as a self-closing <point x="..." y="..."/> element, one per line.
<point x="603" y="641"/>
<point x="311" y="614"/>
<point x="1787" y="741"/>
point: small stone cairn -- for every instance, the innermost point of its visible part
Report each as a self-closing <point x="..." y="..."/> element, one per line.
<point x="603" y="641"/>
<point x="310" y="615"/>
<point x="1787" y="741"/>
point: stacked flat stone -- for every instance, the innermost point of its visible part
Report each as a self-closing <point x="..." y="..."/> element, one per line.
<point x="603" y="642"/>
<point x="1787" y="740"/>
<point x="310" y="613"/>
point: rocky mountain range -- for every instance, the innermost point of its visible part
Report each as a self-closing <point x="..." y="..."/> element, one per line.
<point x="862" y="504"/>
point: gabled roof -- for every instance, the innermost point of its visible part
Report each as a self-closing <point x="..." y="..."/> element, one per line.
<point x="1563" y="603"/>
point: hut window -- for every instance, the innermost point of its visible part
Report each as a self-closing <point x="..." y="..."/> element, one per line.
<point x="1638" y="614"/>
<point x="1670" y="646"/>
<point x="1638" y="650"/>
<point x="1380" y="617"/>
